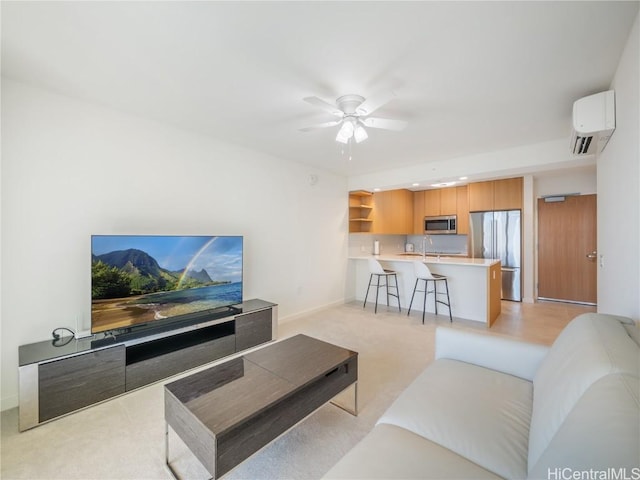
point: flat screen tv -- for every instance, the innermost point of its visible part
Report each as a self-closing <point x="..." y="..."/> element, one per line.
<point x="139" y="280"/>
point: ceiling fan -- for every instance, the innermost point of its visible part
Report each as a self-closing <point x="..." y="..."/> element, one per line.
<point x="352" y="112"/>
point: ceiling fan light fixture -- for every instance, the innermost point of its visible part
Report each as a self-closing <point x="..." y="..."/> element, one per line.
<point x="360" y="134"/>
<point x="341" y="138"/>
<point x="345" y="132"/>
<point x="353" y="116"/>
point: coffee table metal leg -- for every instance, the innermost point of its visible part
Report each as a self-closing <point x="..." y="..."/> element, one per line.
<point x="352" y="410"/>
<point x="174" y="474"/>
<point x="167" y="462"/>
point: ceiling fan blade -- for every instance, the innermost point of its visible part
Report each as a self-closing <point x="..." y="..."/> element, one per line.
<point x="318" y="102"/>
<point x="321" y="125"/>
<point x="371" y="104"/>
<point x="384" y="123"/>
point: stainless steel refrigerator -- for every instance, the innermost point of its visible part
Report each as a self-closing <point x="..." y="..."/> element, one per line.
<point x="497" y="235"/>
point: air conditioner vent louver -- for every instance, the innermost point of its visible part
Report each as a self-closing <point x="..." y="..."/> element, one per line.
<point x="581" y="145"/>
<point x="594" y="120"/>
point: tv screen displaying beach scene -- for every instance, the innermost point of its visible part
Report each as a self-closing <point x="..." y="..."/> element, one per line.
<point x="139" y="279"/>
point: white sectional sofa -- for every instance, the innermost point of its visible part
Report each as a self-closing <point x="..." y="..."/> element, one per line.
<point x="490" y="407"/>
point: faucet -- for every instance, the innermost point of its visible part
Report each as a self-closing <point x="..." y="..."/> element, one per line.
<point x="426" y="238"/>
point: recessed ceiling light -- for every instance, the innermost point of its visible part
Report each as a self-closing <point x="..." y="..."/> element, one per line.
<point x="415" y="184"/>
<point x="376" y="189"/>
<point x="463" y="178"/>
<point x="443" y="184"/>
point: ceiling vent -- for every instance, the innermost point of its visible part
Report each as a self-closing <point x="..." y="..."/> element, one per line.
<point x="594" y="120"/>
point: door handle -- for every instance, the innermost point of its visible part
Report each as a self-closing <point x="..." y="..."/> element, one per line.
<point x="593" y="254"/>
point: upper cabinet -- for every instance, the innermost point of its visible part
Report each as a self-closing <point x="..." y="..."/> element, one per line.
<point x="507" y="194"/>
<point x="440" y="201"/>
<point x="480" y="196"/>
<point x="448" y="201"/>
<point x="462" y="209"/>
<point x="431" y="203"/>
<point x="418" y="212"/>
<point x="393" y="212"/>
<point x="402" y="212"/>
<point x="496" y="195"/>
<point x="360" y="211"/>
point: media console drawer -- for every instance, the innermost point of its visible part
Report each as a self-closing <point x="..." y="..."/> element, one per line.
<point x="72" y="383"/>
<point x="254" y="328"/>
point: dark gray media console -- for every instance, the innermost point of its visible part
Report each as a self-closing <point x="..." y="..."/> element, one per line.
<point x="56" y="380"/>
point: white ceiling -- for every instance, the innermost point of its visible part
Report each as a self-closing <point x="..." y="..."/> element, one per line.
<point x="469" y="77"/>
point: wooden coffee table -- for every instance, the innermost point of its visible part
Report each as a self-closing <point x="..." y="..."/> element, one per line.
<point x="227" y="412"/>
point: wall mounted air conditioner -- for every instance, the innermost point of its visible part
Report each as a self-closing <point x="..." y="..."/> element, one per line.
<point x="594" y="120"/>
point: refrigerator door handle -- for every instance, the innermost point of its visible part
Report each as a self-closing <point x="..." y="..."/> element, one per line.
<point x="508" y="269"/>
<point x="494" y="237"/>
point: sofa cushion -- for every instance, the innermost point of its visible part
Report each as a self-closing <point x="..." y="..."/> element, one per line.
<point x="591" y="347"/>
<point x="393" y="452"/>
<point x="475" y="412"/>
<point x="601" y="432"/>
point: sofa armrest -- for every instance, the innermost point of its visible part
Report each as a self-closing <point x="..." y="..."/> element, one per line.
<point x="513" y="357"/>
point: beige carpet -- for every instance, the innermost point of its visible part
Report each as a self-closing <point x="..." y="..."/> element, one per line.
<point x="124" y="437"/>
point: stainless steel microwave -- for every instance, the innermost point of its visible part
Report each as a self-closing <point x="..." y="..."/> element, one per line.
<point x="442" y="225"/>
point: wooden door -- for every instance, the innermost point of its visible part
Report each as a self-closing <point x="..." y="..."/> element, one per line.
<point x="567" y="255"/>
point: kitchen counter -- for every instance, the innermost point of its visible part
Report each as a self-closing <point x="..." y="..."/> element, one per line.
<point x="430" y="259"/>
<point x="474" y="283"/>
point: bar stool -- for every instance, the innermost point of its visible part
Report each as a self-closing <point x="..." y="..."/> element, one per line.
<point x="423" y="273"/>
<point x="376" y="269"/>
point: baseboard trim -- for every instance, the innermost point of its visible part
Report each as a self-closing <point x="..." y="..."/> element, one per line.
<point x="7" y="403"/>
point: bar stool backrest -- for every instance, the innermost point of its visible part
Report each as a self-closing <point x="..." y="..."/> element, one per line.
<point x="422" y="271"/>
<point x="375" y="267"/>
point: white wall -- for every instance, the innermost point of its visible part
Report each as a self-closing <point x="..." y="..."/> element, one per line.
<point x="582" y="181"/>
<point x="619" y="194"/>
<point x="72" y="169"/>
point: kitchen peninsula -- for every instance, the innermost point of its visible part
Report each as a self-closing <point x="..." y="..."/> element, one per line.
<point x="474" y="283"/>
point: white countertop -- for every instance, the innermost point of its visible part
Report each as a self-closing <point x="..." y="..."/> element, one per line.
<point x="442" y="260"/>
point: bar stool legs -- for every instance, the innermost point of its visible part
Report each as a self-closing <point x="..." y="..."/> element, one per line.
<point x="423" y="273"/>
<point x="379" y="272"/>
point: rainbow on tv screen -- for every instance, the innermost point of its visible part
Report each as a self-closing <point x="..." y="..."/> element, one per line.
<point x="138" y="279"/>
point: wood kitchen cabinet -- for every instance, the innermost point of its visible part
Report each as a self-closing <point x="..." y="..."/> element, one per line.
<point x="393" y="212"/>
<point x="481" y="196"/>
<point x="507" y="194"/>
<point x="440" y="201"/>
<point x="462" y="209"/>
<point x="360" y="211"/>
<point x="496" y="195"/>
<point x="448" y="201"/>
<point x="418" y="212"/>
<point x="431" y="203"/>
